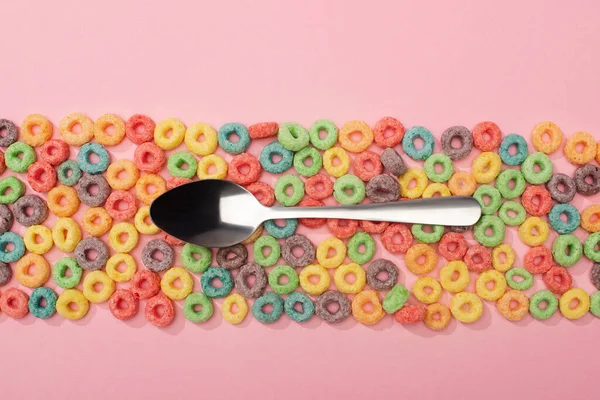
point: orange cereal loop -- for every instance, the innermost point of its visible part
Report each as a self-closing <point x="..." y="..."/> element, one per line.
<point x="513" y="305"/>
<point x="149" y="187"/>
<point x="63" y="201"/>
<point x="122" y="175"/>
<point x="76" y="138"/>
<point x="552" y="131"/>
<point x="590" y="218"/>
<point x="105" y="122"/>
<point x="32" y="277"/>
<point x="437" y="316"/>
<point x="587" y="151"/>
<point x="420" y="259"/>
<point x="597" y="153"/>
<point x="363" y="316"/>
<point x="462" y="184"/>
<point x="345" y="139"/>
<point x="96" y="221"/>
<point x="36" y="130"/>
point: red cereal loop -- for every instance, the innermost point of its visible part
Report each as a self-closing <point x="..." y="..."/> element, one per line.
<point x="486" y="136"/>
<point x="397" y="230"/>
<point x="145" y="284"/>
<point x="263" y="130"/>
<point x="409" y="314"/>
<point x="123" y="304"/>
<point x="374" y="227"/>
<point x="54" y="151"/>
<point x="538" y="260"/>
<point x="172" y="240"/>
<point x="41" y="176"/>
<point x="558" y="279"/>
<point x="342" y="228"/>
<point x="113" y="202"/>
<point x="236" y="172"/>
<point x="382" y="126"/>
<point x="537" y="201"/>
<point x="312" y="222"/>
<point x="263" y="193"/>
<point x="160" y="311"/>
<point x="149" y="157"/>
<point x="478" y="258"/>
<point x="319" y="186"/>
<point x="174" y="182"/>
<point x="452" y="246"/>
<point x="2" y="162"/>
<point x="140" y="129"/>
<point x="360" y="165"/>
<point x="14" y="303"/>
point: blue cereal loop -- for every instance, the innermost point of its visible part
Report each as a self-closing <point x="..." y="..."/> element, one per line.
<point x="281" y="232"/>
<point x="560" y="226"/>
<point x="275" y="148"/>
<point x="84" y="162"/>
<point x="16" y="253"/>
<point x="221" y="274"/>
<point x="522" y="150"/>
<point x="233" y="147"/>
<point x="408" y="143"/>
<point x="308" y="307"/>
<point x="268" y="298"/>
<point x="36" y="297"/>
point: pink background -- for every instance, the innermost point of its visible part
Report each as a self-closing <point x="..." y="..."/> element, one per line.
<point x="458" y="62"/>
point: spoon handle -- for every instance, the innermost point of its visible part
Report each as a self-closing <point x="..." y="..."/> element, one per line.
<point x="449" y="211"/>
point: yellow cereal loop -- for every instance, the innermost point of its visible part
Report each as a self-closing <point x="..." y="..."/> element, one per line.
<point x="325" y="247"/>
<point x="345" y="136"/>
<point x="427" y="290"/>
<point x="360" y="278"/>
<point x="466" y="307"/>
<point x="454" y="276"/>
<point x="534" y="231"/>
<point x="321" y="275"/>
<point x="169" y="133"/>
<point x="588" y="148"/>
<point x="201" y="139"/>
<point x="212" y="167"/>
<point x="574" y="311"/>
<point x="32" y="270"/>
<point x="143" y="223"/>
<point x="436" y="189"/>
<point x="72" y="137"/>
<point x="417" y="176"/>
<point x="102" y="125"/>
<point x="72" y="304"/>
<point x="96" y="221"/>
<point x="497" y="288"/>
<point x="113" y="271"/>
<point x="98" y="287"/>
<point x="38" y="239"/>
<point x="43" y="134"/>
<point x="237" y="316"/>
<point x="255" y="235"/>
<point x="336" y="161"/>
<point x="503" y="257"/>
<point x="149" y="187"/>
<point x="66" y="234"/>
<point x="486" y="167"/>
<point x="168" y="287"/>
<point x="123" y="237"/>
<point x="554" y="134"/>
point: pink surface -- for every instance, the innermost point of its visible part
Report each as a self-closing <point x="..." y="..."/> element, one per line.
<point x="459" y="63"/>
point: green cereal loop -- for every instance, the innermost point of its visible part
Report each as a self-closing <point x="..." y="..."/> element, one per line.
<point x="560" y="246"/>
<point x="59" y="269"/>
<point x="197" y="299"/>
<point x="435" y="159"/>
<point x="17" y="190"/>
<point x="395" y="298"/>
<point x="63" y="173"/>
<point x="589" y="248"/>
<point x="539" y="297"/>
<point x="177" y="160"/>
<point x="301" y="156"/>
<point x="189" y="260"/>
<point x="358" y="239"/>
<point x="542" y="161"/>
<point x="297" y="190"/>
<point x="349" y="182"/>
<point x="525" y="284"/>
<point x="315" y="134"/>
<point x="278" y="272"/>
<point x="259" y="256"/>
<point x="595" y="304"/>
<point x="293" y="136"/>
<point x="11" y="156"/>
<point x="427" y="237"/>
<point x="517" y="208"/>
<point x="493" y="194"/>
<point x="493" y="222"/>
<point x="503" y="180"/>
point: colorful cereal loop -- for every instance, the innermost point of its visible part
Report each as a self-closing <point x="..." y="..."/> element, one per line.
<point x="498" y="288"/>
<point x="325" y="247"/>
<point x="212" y="167"/>
<point x="142" y="188"/>
<point x="117" y="126"/>
<point x="466" y="307"/>
<point x="162" y="137"/>
<point x="534" y="231"/>
<point x="447" y="273"/>
<point x="329" y="161"/>
<point x="486" y="167"/>
<point x="170" y="290"/>
<point x="143" y="223"/>
<point x="237" y="316"/>
<point x="503" y="257"/>
<point x="351" y="127"/>
<point x="588" y="148"/>
<point x="413" y="256"/>
<point x="554" y="134"/>
<point x="117" y="242"/>
<point x="90" y="282"/>
<point x="24" y="274"/>
<point x="38" y="138"/>
<point x="72" y="297"/>
<point x="363" y="316"/>
<point x="76" y="138"/>
<point x="320" y="273"/>
<point x="38" y="239"/>
<point x="427" y="290"/>
<point x="343" y="285"/>
<point x="462" y="184"/>
<point x="113" y="270"/>
<point x="203" y="131"/>
<point x="510" y="311"/>
<point x="420" y="179"/>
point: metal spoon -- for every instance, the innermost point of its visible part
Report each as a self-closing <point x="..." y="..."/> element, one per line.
<point x="217" y="213"/>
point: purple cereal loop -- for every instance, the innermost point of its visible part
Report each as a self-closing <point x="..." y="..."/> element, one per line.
<point x="91" y="243"/>
<point x="84" y="194"/>
<point x="383" y="188"/>
<point x="6" y="218"/>
<point x="308" y="254"/>
<point x="393" y="162"/>
<point x="241" y="256"/>
<point x="595" y="275"/>
<point x="378" y="266"/>
<point x="5" y="273"/>
<point x="330" y="297"/>
<point x="260" y="283"/>
<point x="466" y="139"/>
<point x="153" y="264"/>
<point x="38" y="206"/>
<point x="583" y="187"/>
<point x="459" y="229"/>
<point x="11" y="133"/>
<point x="561" y="196"/>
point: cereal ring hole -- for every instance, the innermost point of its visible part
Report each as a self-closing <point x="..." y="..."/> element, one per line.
<point x="250" y="279"/>
<point x="214" y="282"/>
<point x="356" y="136"/>
<point x="98" y="287"/>
<point x="368" y="307"/>
<point x="283" y="279"/>
<point x="514" y="304"/>
<point x="333" y="307"/>
<point x="157" y="255"/>
<point x="159" y="310"/>
<point x="476" y="258"/>
<point x="298" y="307"/>
<point x="466" y="307"/>
<point x="233" y="137"/>
<point x="457" y="142"/>
<point x="121" y="267"/>
<point x="314" y="279"/>
<point x="93" y="158"/>
<point x="513" y="149"/>
<point x="418" y="143"/>
<point x="234" y="308"/>
<point x="491" y="284"/>
<point x="336" y="161"/>
<point x="90" y="254"/>
<point x="73" y="306"/>
<point x="382" y="276"/>
<point x="455" y="276"/>
<point x="349" y="191"/>
<point x="427" y="290"/>
<point x="298" y="251"/>
<point x="350" y="277"/>
<point x="489" y="231"/>
<point x="42" y="302"/>
<point x="517" y="278"/>
<point x="9" y="247"/>
<point x="580" y="147"/>
<point x="412" y="184"/>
